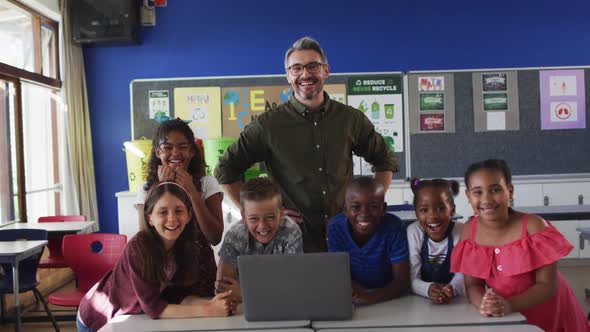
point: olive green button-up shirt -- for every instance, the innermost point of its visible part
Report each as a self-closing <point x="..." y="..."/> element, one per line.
<point x="309" y="155"/>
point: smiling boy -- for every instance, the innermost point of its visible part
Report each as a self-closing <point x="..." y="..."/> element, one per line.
<point x="375" y="241"/>
<point x="264" y="230"/>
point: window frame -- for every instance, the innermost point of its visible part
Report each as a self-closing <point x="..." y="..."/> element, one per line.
<point x="17" y="76"/>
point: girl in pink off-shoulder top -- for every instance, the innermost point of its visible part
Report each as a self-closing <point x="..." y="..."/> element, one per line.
<point x="509" y="259"/>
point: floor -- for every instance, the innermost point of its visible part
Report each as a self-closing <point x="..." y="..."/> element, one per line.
<point x="64" y="326"/>
<point x="575" y="272"/>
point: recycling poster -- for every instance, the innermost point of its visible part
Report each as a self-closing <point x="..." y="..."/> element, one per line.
<point x="380" y="98"/>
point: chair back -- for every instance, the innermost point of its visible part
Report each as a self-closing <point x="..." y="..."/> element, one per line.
<point x="54" y="245"/>
<point x="91" y="256"/>
<point x="27" y="269"/>
<point x="62" y="218"/>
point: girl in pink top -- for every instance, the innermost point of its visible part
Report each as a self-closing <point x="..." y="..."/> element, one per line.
<point x="509" y="258"/>
<point x="158" y="271"/>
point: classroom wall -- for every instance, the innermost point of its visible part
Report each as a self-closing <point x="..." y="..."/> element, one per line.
<point x="217" y="38"/>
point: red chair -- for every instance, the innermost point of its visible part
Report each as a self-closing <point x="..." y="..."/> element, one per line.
<point x="56" y="258"/>
<point x="91" y="256"/>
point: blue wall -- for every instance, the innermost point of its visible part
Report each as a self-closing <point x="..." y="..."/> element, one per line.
<point x="217" y="38"/>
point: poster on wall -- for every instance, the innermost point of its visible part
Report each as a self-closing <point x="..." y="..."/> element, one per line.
<point x="563" y="99"/>
<point x="201" y="107"/>
<point x="431" y="83"/>
<point x="336" y="92"/>
<point x="494" y="82"/>
<point x="432" y="122"/>
<point x="159" y="104"/>
<point x="243" y="104"/>
<point x="380" y="98"/>
<point x="431" y="103"/>
<point x="495" y="101"/>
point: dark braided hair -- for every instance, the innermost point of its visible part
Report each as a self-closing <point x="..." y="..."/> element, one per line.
<point x="451" y="186"/>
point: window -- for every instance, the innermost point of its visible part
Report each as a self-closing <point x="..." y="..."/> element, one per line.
<point x="49" y="49"/>
<point x="32" y="115"/>
<point x="41" y="127"/>
<point x="16" y="36"/>
<point x="8" y="184"/>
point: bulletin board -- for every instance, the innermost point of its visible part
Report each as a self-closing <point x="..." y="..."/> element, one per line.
<point x="430" y="149"/>
<point x="527" y="148"/>
<point x="242" y="98"/>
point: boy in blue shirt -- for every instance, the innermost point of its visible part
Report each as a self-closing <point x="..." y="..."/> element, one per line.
<point x="376" y="242"/>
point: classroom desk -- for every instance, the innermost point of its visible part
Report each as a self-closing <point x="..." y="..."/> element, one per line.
<point x="558" y="212"/>
<point x="237" y="322"/>
<point x="416" y="311"/>
<point x="409" y="217"/>
<point x="12" y="252"/>
<point x="57" y="229"/>
<point x="481" y="328"/>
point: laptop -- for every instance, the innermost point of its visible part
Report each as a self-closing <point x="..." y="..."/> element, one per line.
<point x="296" y="287"/>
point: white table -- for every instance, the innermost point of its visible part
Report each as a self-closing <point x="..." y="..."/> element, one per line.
<point x="57" y="229"/>
<point x="417" y="311"/>
<point x="13" y="252"/>
<point x="481" y="328"/>
<point x="237" y="322"/>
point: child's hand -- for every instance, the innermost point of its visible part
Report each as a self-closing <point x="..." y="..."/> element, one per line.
<point x="184" y="179"/>
<point x="229" y="284"/>
<point x="437" y="294"/>
<point x="165" y="173"/>
<point x="449" y="291"/>
<point x="221" y="305"/>
<point x="493" y="305"/>
<point x="361" y="296"/>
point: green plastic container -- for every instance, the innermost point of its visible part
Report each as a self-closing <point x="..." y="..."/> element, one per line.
<point x="214" y="149"/>
<point x="253" y="173"/>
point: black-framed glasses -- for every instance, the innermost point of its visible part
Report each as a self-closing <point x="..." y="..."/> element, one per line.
<point x="312" y="68"/>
